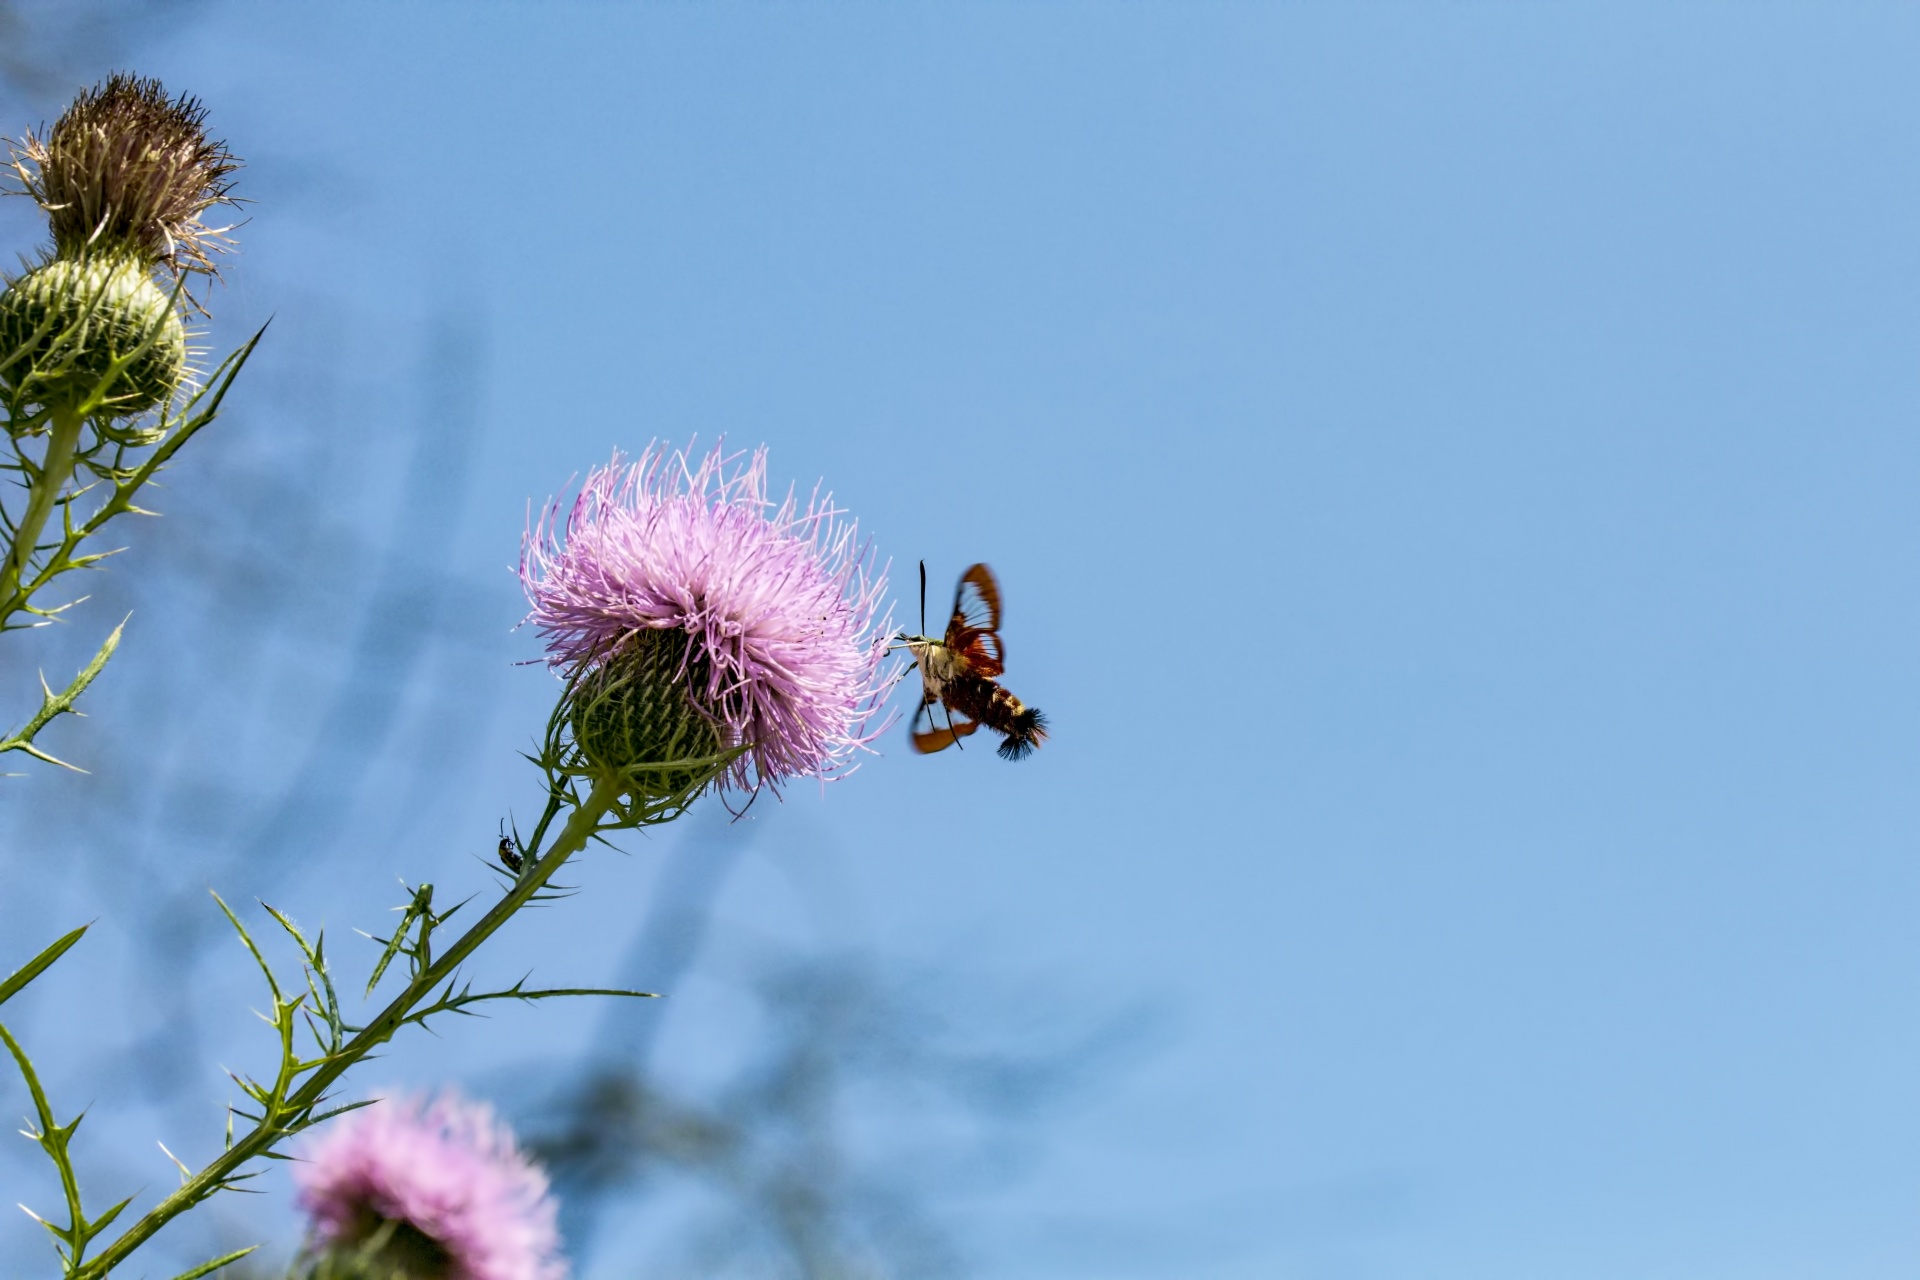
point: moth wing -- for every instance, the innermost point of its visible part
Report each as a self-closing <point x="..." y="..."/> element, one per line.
<point x="983" y="653"/>
<point x="974" y="630"/>
<point x="929" y="740"/>
<point x="976" y="601"/>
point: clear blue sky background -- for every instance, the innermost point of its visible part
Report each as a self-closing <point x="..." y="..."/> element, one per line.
<point x="1452" y="468"/>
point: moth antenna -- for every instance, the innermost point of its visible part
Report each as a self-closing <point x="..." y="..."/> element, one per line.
<point x="923" y="597"/>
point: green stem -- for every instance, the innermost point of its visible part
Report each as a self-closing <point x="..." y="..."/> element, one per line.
<point x="45" y="491"/>
<point x="54" y="1140"/>
<point x="273" y="1123"/>
<point x="16" y="588"/>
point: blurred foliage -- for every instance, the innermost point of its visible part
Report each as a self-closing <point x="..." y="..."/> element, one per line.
<point x="779" y="1156"/>
<point x="48" y="48"/>
<point x="866" y="1103"/>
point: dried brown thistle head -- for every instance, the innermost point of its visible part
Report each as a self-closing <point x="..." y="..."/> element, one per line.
<point x="126" y="168"/>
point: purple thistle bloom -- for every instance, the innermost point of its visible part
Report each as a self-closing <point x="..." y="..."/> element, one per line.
<point x="779" y="603"/>
<point x="446" y="1170"/>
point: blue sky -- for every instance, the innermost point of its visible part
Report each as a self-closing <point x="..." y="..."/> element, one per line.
<point x="1452" y="472"/>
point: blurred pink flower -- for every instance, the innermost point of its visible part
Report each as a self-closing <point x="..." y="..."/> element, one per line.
<point x="446" y="1169"/>
<point x="780" y="603"/>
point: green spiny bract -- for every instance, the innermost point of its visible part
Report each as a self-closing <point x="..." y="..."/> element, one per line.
<point x="634" y="714"/>
<point x="94" y="333"/>
<point x="382" y="1249"/>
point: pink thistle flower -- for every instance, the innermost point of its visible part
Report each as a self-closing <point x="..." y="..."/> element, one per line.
<point x="469" y="1205"/>
<point x="778" y="603"/>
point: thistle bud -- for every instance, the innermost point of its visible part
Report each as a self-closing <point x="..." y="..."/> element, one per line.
<point x="634" y="715"/>
<point x="95" y="329"/>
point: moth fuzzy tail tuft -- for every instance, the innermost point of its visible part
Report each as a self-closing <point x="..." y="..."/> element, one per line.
<point x="1027" y="730"/>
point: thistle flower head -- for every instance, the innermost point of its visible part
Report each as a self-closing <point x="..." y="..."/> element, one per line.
<point x="127" y="170"/>
<point x="433" y="1191"/>
<point x="678" y="573"/>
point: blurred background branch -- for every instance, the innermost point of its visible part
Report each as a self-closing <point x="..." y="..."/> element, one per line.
<point x="864" y="1107"/>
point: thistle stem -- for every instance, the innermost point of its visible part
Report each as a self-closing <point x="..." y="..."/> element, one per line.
<point x="62" y="442"/>
<point x="273" y="1124"/>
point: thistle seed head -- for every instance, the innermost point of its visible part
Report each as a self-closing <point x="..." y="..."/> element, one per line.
<point x="128" y="170"/>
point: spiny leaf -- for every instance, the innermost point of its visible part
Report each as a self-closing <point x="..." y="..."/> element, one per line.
<point x="100" y="1223"/>
<point x="54" y="705"/>
<point x="185" y="1173"/>
<point x="420" y="908"/>
<point x="208" y="1268"/>
<point x="341" y="1110"/>
<point x="247" y="938"/>
<point x="38" y="965"/>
